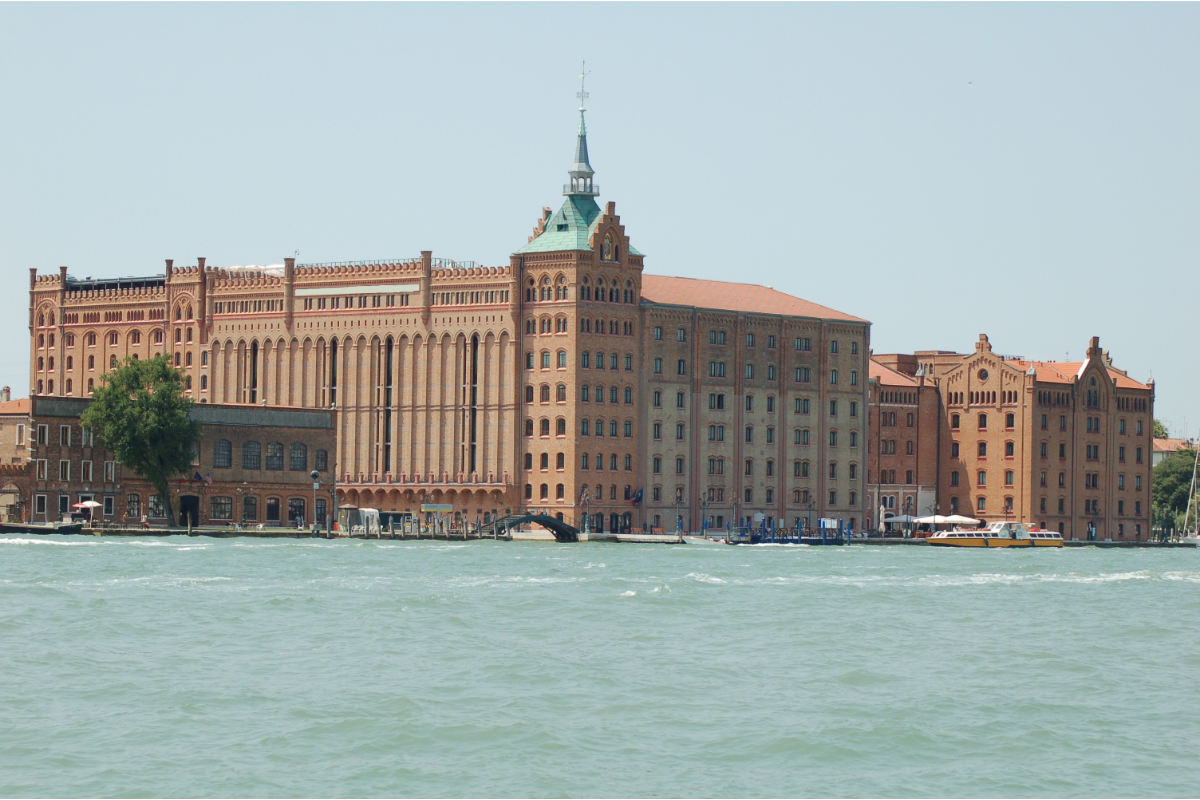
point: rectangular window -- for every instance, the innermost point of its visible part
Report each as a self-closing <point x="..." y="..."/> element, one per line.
<point x="64" y="470"/>
<point x="222" y="509"/>
<point x="802" y="375"/>
<point x="85" y="472"/>
<point x="658" y="399"/>
<point x="679" y="431"/>
<point x="682" y="367"/>
<point x="679" y="399"/>
<point x="658" y="366"/>
<point x="833" y="376"/>
<point x="658" y="334"/>
<point x="110" y="471"/>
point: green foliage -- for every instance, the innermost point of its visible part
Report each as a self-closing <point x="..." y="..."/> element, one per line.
<point x="141" y="413"/>
<point x="1160" y="431"/>
<point x="1172" y="482"/>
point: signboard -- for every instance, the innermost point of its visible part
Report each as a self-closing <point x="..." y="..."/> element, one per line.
<point x="444" y="507"/>
<point x="828" y="523"/>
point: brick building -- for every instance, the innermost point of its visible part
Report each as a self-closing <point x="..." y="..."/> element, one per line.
<point x="252" y="465"/>
<point x="902" y="463"/>
<point x="1063" y="445"/>
<point x="14" y="456"/>
<point x="506" y="387"/>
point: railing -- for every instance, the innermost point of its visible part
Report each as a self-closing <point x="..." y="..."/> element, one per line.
<point x="568" y="189"/>
<point x="449" y="263"/>
<point x="378" y="262"/>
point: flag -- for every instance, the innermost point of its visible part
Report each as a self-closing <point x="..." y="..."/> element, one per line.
<point x="637" y="497"/>
<point x="208" y="480"/>
<point x="198" y="477"/>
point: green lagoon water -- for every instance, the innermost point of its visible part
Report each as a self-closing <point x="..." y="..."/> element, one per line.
<point x="202" y="667"/>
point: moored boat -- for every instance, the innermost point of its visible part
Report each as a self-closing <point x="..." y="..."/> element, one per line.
<point x="998" y="534"/>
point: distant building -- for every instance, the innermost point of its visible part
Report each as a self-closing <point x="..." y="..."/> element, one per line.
<point x="1167" y="447"/>
<point x="1063" y="445"/>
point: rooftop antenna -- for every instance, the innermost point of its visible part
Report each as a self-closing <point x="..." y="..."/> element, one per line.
<point x="583" y="95"/>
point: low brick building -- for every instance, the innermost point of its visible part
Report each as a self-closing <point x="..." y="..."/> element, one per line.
<point x="252" y="465"/>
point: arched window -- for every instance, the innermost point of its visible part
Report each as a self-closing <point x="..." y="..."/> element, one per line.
<point x="251" y="455"/>
<point x="559" y="492"/>
<point x="298" y="457"/>
<point x="562" y="359"/>
<point x="561" y="427"/>
<point x="529" y="427"/>
<point x="203" y="383"/>
<point x="187" y="359"/>
<point x="322" y="464"/>
<point x="135" y="337"/>
<point x="545" y="393"/>
<point x="275" y="456"/>
<point x="528" y="394"/>
<point x="545" y="427"/>
<point x="561" y="393"/>
<point x="157" y="338"/>
<point x="222" y="454"/>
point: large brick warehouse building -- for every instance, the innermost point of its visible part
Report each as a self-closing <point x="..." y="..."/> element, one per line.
<point x="566" y="380"/>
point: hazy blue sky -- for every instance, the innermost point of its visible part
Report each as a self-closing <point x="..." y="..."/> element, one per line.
<point x="1026" y="170"/>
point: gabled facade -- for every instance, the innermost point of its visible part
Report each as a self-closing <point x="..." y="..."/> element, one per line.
<point x="1062" y="445"/>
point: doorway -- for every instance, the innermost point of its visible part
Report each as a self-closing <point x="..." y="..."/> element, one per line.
<point x="189" y="510"/>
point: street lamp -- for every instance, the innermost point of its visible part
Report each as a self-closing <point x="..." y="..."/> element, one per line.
<point x="316" y="476"/>
<point x="908" y="516"/>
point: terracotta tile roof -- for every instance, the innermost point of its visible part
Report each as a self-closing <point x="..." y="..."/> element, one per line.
<point x="1171" y="445"/>
<point x="15" y="407"/>
<point x="886" y="376"/>
<point x="744" y="297"/>
<point x="1065" y="372"/>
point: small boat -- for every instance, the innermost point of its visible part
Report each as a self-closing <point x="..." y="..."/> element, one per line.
<point x="998" y="534"/>
<point x="49" y="527"/>
<point x="702" y="540"/>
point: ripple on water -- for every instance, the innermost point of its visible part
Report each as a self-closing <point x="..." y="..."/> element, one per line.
<point x="322" y="667"/>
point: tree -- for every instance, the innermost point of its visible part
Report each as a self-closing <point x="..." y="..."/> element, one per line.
<point x="141" y="413"/>
<point x="1160" y="431"/>
<point x="1172" y="482"/>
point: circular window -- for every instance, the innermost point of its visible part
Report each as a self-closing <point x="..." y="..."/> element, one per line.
<point x="983" y="374"/>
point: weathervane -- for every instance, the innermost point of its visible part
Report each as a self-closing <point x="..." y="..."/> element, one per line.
<point x="583" y="95"/>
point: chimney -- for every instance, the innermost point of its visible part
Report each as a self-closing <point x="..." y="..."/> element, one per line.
<point x="289" y="291"/>
<point x="170" y="267"/>
<point x="200" y="262"/>
<point x="426" y="283"/>
<point x="5" y="394"/>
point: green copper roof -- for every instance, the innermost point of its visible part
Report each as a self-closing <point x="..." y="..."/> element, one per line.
<point x="568" y="229"/>
<point x="579" y="214"/>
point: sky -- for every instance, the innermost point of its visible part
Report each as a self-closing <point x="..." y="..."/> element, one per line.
<point x="1024" y="170"/>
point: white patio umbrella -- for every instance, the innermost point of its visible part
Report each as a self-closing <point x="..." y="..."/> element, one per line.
<point x="955" y="519"/>
<point x="900" y="519"/>
<point x="936" y="519"/>
<point x="87" y="504"/>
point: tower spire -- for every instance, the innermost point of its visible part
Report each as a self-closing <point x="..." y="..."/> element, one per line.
<point x="581" y="171"/>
